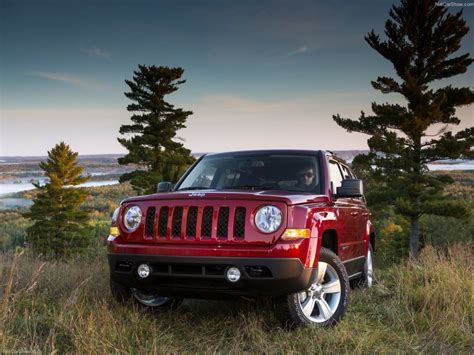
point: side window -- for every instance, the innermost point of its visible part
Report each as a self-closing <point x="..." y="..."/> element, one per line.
<point x="335" y="174"/>
<point x="347" y="174"/>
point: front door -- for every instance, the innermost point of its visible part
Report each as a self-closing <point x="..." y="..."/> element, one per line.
<point x="344" y="211"/>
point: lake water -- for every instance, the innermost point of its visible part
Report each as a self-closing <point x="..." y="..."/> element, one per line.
<point x="6" y="189"/>
<point x="468" y="165"/>
<point x="13" y="202"/>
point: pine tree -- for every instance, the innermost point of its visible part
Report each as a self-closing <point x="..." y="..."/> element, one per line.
<point x="421" y="41"/>
<point x="154" y="146"/>
<point x="60" y="225"/>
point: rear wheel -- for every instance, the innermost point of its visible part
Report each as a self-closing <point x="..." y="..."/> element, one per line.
<point x="324" y="302"/>
<point x="368" y="276"/>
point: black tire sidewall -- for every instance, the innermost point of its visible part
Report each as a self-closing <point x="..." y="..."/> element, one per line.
<point x="170" y="304"/>
<point x="123" y="294"/>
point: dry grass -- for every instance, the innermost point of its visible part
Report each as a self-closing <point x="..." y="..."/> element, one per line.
<point x="62" y="307"/>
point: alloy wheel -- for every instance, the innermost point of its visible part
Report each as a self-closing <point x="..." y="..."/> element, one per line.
<point x="320" y="301"/>
<point x="370" y="269"/>
<point x="149" y="300"/>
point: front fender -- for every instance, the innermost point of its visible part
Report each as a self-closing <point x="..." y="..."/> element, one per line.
<point x="319" y="222"/>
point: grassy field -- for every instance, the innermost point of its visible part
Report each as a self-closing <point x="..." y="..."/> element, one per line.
<point x="66" y="307"/>
<point x="61" y="307"/>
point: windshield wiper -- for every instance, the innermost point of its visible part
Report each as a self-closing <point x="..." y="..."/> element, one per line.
<point x="194" y="188"/>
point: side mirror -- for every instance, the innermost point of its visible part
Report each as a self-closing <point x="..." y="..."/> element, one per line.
<point x="164" y="186"/>
<point x="350" y="188"/>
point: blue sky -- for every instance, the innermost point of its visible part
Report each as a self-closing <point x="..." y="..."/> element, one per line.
<point x="260" y="74"/>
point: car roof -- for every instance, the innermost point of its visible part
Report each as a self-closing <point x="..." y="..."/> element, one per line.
<point x="326" y="153"/>
<point x="266" y="151"/>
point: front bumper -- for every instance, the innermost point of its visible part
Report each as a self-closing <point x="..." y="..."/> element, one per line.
<point x="204" y="277"/>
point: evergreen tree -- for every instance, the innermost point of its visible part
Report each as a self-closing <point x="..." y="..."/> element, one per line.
<point x="421" y="41"/>
<point x="60" y="226"/>
<point x="153" y="146"/>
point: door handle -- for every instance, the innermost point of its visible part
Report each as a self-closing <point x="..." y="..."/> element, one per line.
<point x="355" y="214"/>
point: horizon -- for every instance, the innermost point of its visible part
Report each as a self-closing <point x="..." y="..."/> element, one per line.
<point x="260" y="75"/>
<point x="192" y="153"/>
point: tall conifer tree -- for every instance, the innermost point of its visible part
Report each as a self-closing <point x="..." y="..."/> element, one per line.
<point x="422" y="39"/>
<point x="153" y="145"/>
<point x="60" y="225"/>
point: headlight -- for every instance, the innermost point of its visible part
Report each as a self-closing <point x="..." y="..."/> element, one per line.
<point x="132" y="218"/>
<point x="268" y="219"/>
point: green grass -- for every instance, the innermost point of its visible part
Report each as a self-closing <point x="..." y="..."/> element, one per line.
<point x="62" y="307"/>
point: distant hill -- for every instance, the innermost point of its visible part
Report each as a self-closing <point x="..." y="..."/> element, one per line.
<point x="106" y="167"/>
<point x="112" y="158"/>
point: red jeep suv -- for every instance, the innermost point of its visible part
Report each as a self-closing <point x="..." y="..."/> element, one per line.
<point x="287" y="224"/>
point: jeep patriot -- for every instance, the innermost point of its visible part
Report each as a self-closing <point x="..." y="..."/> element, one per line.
<point x="291" y="225"/>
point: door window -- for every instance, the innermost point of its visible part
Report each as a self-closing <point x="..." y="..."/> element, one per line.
<point x="335" y="175"/>
<point x="347" y="174"/>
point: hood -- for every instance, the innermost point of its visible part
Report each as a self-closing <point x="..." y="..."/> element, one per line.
<point x="290" y="198"/>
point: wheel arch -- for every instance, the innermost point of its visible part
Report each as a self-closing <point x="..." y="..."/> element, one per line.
<point x="329" y="240"/>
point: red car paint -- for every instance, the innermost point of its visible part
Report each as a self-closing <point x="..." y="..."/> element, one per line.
<point x="343" y="221"/>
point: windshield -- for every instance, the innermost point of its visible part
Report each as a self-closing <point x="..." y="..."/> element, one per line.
<point x="286" y="172"/>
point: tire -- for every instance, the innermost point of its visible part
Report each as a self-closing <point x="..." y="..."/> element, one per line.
<point x="124" y="294"/>
<point x="154" y="302"/>
<point x="368" y="277"/>
<point x="324" y="302"/>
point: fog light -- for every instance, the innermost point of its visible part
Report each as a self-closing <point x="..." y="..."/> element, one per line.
<point x="233" y="274"/>
<point x="143" y="270"/>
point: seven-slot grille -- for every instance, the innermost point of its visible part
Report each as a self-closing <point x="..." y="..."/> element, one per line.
<point x="195" y="223"/>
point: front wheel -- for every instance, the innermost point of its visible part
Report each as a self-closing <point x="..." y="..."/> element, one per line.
<point x="154" y="301"/>
<point x="151" y="301"/>
<point x="324" y="302"/>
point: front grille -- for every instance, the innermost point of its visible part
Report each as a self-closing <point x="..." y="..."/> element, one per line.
<point x="206" y="225"/>
<point x="239" y="223"/>
<point x="195" y="223"/>
<point x="223" y="222"/>
<point x="191" y="222"/>
<point x="190" y="269"/>
<point x="150" y="222"/>
<point x="163" y="221"/>
<point x="176" y="226"/>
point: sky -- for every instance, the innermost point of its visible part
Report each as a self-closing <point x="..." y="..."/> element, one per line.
<point x="259" y="74"/>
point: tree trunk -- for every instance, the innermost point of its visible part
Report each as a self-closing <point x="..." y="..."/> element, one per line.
<point x="414" y="237"/>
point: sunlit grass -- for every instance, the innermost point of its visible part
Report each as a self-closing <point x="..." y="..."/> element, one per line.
<point x="67" y="307"/>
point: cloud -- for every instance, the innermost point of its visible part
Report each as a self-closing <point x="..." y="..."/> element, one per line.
<point x="300" y="50"/>
<point x="67" y="79"/>
<point x="96" y="52"/>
